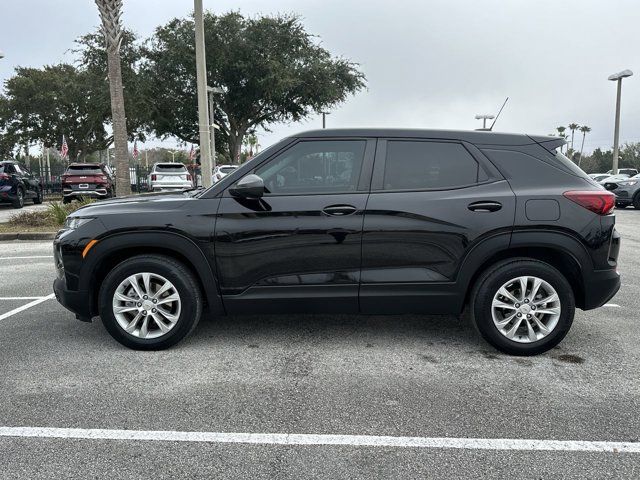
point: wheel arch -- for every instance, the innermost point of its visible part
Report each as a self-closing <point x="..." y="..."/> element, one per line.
<point x="560" y="250"/>
<point x="110" y="251"/>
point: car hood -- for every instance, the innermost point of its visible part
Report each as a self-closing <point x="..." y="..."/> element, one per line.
<point x="134" y="204"/>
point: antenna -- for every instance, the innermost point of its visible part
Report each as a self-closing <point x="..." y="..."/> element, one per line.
<point x="499" y="112"/>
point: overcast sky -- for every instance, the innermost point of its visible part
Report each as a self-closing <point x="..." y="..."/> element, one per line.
<point x="429" y="63"/>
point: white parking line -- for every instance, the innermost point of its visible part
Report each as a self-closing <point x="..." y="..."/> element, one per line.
<point x="21" y="298"/>
<point x="614" y="305"/>
<point x="23" y="258"/>
<point x="313" y="439"/>
<point x="27" y="306"/>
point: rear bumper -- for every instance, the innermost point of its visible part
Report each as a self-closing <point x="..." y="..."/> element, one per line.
<point x="600" y="287"/>
<point x="85" y="193"/>
<point x="75" y="301"/>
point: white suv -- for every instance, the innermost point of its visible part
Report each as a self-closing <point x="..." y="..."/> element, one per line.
<point x="222" y="171"/>
<point x="169" y="176"/>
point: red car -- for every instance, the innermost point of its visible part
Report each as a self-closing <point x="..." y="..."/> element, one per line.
<point x="87" y="180"/>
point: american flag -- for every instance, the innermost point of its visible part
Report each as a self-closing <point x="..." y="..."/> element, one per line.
<point x="192" y="154"/>
<point x="135" y="150"/>
<point x="64" y="150"/>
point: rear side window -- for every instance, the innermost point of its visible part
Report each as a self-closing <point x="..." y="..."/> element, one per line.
<point x="84" y="170"/>
<point x="414" y="165"/>
<point x="227" y="169"/>
<point x="170" y="167"/>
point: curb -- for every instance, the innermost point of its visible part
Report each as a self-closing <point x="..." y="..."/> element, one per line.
<point x="27" y="236"/>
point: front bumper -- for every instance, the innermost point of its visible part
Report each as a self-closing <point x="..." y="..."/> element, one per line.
<point x="75" y="301"/>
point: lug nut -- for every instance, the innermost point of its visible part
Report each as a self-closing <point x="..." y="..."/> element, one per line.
<point x="533" y="307"/>
<point x="145" y="297"/>
<point x="517" y="305"/>
<point x="144" y="312"/>
<point x="139" y="304"/>
<point x="528" y="315"/>
<point x="519" y="314"/>
<point x="526" y="300"/>
<point x="155" y="301"/>
<point x="154" y="310"/>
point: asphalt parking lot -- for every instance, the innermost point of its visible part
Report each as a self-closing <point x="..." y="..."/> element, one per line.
<point x="183" y="412"/>
<point x="7" y="211"/>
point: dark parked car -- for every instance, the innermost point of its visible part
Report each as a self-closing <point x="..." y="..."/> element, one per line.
<point x="627" y="191"/>
<point x="18" y="184"/>
<point x="355" y="221"/>
<point x="87" y="180"/>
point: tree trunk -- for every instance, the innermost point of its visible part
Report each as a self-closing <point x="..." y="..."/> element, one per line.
<point x="235" y="143"/>
<point x="119" y="124"/>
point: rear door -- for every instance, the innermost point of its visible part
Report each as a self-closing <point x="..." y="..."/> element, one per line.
<point x="298" y="248"/>
<point x="431" y="202"/>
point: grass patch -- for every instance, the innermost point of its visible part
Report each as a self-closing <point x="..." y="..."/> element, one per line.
<point x="48" y="220"/>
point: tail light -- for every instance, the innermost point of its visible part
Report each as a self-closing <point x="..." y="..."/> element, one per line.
<point x="104" y="178"/>
<point x="189" y="177"/>
<point x="154" y="177"/>
<point x="65" y="179"/>
<point x="600" y="202"/>
<point x="4" y="176"/>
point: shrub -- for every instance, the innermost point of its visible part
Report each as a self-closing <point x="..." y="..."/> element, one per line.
<point x="53" y="217"/>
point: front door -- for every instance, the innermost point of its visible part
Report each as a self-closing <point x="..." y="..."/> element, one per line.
<point x="298" y="248"/>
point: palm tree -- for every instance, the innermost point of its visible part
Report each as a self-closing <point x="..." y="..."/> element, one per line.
<point x="573" y="127"/>
<point x="561" y="131"/>
<point x="110" y="13"/>
<point x="584" y="129"/>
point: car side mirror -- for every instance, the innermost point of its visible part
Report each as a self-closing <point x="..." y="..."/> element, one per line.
<point x="249" y="186"/>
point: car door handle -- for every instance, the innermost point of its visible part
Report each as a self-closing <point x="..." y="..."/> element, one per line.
<point x="484" y="206"/>
<point x="339" y="210"/>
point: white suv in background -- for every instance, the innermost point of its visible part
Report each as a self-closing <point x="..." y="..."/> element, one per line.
<point x="169" y="176"/>
<point x="222" y="171"/>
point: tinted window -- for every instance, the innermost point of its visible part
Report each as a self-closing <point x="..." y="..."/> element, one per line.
<point x="84" y="170"/>
<point x="227" y="169"/>
<point x="417" y="165"/>
<point x="7" y="168"/>
<point x="315" y="167"/>
<point x="170" y="167"/>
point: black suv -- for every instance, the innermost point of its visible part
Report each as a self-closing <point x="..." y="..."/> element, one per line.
<point x="355" y="221"/>
<point x="17" y="184"/>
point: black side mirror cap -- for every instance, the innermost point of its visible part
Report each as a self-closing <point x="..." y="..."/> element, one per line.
<point x="249" y="186"/>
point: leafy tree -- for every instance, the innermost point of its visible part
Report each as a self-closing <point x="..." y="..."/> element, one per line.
<point x="270" y="69"/>
<point x="110" y="13"/>
<point x="42" y="105"/>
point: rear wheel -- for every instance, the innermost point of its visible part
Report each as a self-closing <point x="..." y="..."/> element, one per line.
<point x="150" y="302"/>
<point x="523" y="306"/>
<point x="636" y="201"/>
<point x="19" y="200"/>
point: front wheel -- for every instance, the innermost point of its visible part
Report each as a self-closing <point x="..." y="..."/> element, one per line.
<point x="636" y="201"/>
<point x="523" y="306"/>
<point x="150" y="302"/>
<point x="39" y="197"/>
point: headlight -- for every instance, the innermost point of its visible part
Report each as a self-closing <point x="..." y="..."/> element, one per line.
<point x="76" y="222"/>
<point x="628" y="183"/>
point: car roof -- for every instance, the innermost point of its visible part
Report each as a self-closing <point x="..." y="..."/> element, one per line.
<point x="480" y="137"/>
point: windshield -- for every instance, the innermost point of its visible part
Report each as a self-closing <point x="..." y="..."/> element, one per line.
<point x="170" y="167"/>
<point x="83" y="170"/>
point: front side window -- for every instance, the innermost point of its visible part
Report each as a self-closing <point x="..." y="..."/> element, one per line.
<point x="416" y="165"/>
<point x="327" y="166"/>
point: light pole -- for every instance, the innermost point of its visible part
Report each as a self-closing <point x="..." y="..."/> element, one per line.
<point x="324" y="119"/>
<point x="212" y="128"/>
<point x="203" y="113"/>
<point x="484" y="117"/>
<point x="617" y="77"/>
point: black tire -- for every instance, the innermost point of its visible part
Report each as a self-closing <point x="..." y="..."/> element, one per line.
<point x="66" y="199"/>
<point x="185" y="284"/>
<point x="490" y="282"/>
<point x="19" y="200"/>
<point x="636" y="201"/>
<point x="39" y="197"/>
<point x="621" y="205"/>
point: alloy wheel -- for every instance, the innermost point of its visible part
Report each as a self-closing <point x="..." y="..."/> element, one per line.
<point x="526" y="309"/>
<point x="146" y="305"/>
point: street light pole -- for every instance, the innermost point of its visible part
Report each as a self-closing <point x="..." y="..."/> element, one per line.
<point x="203" y="114"/>
<point x="324" y="119"/>
<point x="484" y="118"/>
<point x="617" y="77"/>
